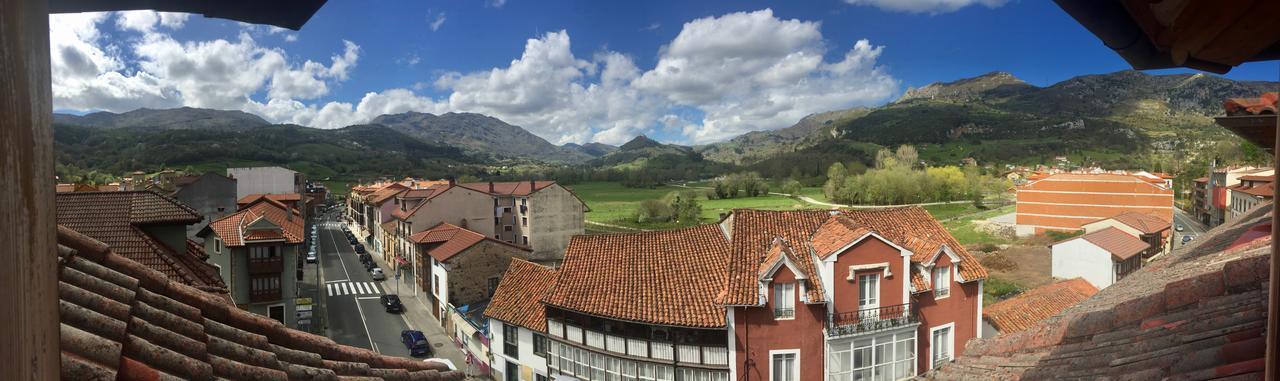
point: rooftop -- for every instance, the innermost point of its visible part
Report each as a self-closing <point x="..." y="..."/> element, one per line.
<point x="1145" y="223"/>
<point x="120" y="218"/>
<point x="124" y="320"/>
<point x="233" y="228"/>
<point x="509" y="188"/>
<point x="448" y="240"/>
<point x="1197" y="313"/>
<point x="1121" y="245"/>
<point x="1025" y="310"/>
<point x="518" y="299"/>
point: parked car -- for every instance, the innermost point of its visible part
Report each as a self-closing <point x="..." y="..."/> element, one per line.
<point x="311" y="256"/>
<point x="369" y="266"/>
<point x="1179" y="227"/>
<point x="377" y="273"/>
<point x="416" y="342"/>
<point x="392" y="303"/>
<point x="366" y="258"/>
<point x="1187" y="238"/>
<point x="360" y="249"/>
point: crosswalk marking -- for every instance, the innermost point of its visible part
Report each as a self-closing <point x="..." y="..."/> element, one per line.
<point x="353" y="288"/>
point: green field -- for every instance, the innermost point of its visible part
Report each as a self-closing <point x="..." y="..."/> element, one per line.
<point x="962" y="228"/>
<point x="611" y="203"/>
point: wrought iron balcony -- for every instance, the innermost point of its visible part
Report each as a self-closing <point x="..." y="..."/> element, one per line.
<point x="870" y="320"/>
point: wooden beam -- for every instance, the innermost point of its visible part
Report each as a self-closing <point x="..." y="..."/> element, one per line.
<point x="1251" y="34"/>
<point x="29" y="322"/>
<point x="1198" y="25"/>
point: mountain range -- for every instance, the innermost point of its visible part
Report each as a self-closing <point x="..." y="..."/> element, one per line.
<point x="994" y="117"/>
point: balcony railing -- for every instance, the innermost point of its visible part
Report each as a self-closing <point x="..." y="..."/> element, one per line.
<point x="266" y="266"/>
<point x="260" y="296"/>
<point x="870" y="320"/>
<point x="658" y="351"/>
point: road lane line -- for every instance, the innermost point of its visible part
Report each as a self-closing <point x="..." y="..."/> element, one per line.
<point x="366" y="328"/>
<point x="339" y="253"/>
<point x="368" y="297"/>
<point x="336" y="281"/>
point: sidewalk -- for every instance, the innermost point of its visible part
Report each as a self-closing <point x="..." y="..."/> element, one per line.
<point x="417" y="313"/>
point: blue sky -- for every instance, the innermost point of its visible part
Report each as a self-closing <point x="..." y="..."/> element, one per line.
<point x="679" y="71"/>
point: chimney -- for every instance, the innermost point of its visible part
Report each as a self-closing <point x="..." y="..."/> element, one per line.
<point x="451" y="181"/>
<point x="490" y="187"/>
<point x="532" y="185"/>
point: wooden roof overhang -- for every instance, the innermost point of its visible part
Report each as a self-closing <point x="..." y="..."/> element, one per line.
<point x="291" y="14"/>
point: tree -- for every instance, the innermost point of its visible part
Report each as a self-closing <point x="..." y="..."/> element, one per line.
<point x="650" y="211"/>
<point x="685" y="208"/>
<point x="792" y="187"/>
<point x="907" y="156"/>
<point x="835" y="179"/>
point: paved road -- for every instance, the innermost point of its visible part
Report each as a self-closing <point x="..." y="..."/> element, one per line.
<point x="352" y="309"/>
<point x="1191" y="226"/>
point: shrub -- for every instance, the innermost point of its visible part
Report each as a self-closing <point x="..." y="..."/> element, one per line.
<point x="653" y="211"/>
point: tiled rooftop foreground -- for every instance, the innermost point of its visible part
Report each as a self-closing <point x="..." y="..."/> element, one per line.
<point x="1198" y="313"/>
<point x="124" y="321"/>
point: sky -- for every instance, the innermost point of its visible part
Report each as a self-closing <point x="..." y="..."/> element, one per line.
<point x="685" y="72"/>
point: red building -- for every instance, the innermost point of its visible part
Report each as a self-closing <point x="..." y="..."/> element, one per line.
<point x="788" y="295"/>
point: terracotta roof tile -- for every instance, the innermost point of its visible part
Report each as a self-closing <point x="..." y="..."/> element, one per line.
<point x="1145" y="223"/>
<point x="1199" y="312"/>
<point x="518" y="299"/>
<point x="118" y="218"/>
<point x="385" y="194"/>
<point x="123" y="320"/>
<point x="661" y="277"/>
<point x="1265" y="104"/>
<point x="509" y="188"/>
<point x="284" y="197"/>
<point x="232" y="228"/>
<point x="782" y="250"/>
<point x="1121" y="245"/>
<point x="1025" y="310"/>
<point x="446" y="240"/>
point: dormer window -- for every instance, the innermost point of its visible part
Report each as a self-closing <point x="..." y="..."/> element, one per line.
<point x="941" y="282"/>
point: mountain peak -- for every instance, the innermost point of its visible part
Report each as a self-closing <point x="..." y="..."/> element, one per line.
<point x="639" y="142"/>
<point x="993" y="84"/>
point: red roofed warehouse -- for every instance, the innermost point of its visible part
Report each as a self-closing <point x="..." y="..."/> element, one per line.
<point x="1066" y="201"/>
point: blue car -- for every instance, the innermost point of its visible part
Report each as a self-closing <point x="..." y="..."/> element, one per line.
<point x="416" y="342"/>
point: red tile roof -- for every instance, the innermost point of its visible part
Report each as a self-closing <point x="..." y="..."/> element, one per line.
<point x="781" y="250"/>
<point x="284" y="197"/>
<point x="1025" y="310"/>
<point x="509" y="188"/>
<point x="1257" y="178"/>
<point x="427" y="194"/>
<point x="1145" y="223"/>
<point x="118" y="219"/>
<point x="1196" y="313"/>
<point x="385" y="194"/>
<point x="1121" y="245"/>
<point x="661" y="277"/>
<point x="447" y="240"/>
<point x="1265" y="104"/>
<point x="232" y="228"/>
<point x="518" y="299"/>
<point x="123" y="320"/>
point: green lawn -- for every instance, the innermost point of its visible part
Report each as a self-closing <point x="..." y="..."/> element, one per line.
<point x="611" y="203"/>
<point x="963" y="229"/>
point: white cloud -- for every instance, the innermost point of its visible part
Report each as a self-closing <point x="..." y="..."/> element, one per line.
<point x="926" y="6"/>
<point x="437" y="21"/>
<point x="495" y="3"/>
<point x="653" y="26"/>
<point x="720" y="76"/>
<point x="145" y="21"/>
<point x="290" y="37"/>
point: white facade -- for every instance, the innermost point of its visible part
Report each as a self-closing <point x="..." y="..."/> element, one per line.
<point x="265" y="180"/>
<point x="440" y="285"/>
<point x="532" y="366"/>
<point x="1081" y="258"/>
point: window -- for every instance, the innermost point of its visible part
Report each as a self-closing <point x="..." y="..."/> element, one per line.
<point x="493" y="286"/>
<point x="783" y="365"/>
<point x="269" y="283"/>
<point x="506" y="209"/>
<point x="941" y="344"/>
<point x="784" y="301"/>
<point x="539" y="377"/>
<point x="941" y="281"/>
<point x="217" y="245"/>
<point x="506" y="228"/>
<point x="869" y="291"/>
<point x="513" y="372"/>
<point x="526" y="240"/>
<point x="276" y="312"/>
<point x="511" y="340"/>
<point x="539" y="345"/>
<point x="524" y="221"/>
<point x="879" y="358"/>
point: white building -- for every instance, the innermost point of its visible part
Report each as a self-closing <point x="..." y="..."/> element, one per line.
<point x="518" y="323"/>
<point x="1101" y="257"/>
<point x="266" y="180"/>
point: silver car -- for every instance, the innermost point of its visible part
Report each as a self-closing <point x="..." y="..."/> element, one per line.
<point x="377" y="274"/>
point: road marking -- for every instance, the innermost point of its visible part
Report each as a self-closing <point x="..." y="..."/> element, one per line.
<point x="339" y="253"/>
<point x="336" y="281"/>
<point x="366" y="328"/>
<point x="354" y="288"/>
<point x="368" y="297"/>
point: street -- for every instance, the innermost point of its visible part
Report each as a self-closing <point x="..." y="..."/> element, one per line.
<point x="354" y="314"/>
<point x="1191" y="227"/>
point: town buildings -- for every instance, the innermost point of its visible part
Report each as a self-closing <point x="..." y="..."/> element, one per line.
<point x="459" y="267"/>
<point x="1067" y="201"/>
<point x="763" y="295"/>
<point x="539" y="214"/>
<point x="211" y="194"/>
<point x="255" y="250"/>
<point x="1252" y="191"/>
<point x="1101" y="257"/>
<point x="1157" y="233"/>
<point x="147" y="228"/>
<point x="266" y="180"/>
<point x="518" y="322"/>
<point x="1211" y="199"/>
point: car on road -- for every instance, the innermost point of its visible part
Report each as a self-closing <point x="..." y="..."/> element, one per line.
<point x="311" y="256"/>
<point x="377" y="273"/>
<point x="391" y="303"/>
<point x="1179" y="227"/>
<point x="1187" y="238"/>
<point x="416" y="342"/>
<point x="369" y="266"/>
<point x="366" y="258"/>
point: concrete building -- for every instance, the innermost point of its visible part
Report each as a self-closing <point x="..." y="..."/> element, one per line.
<point x="1101" y="257"/>
<point x="542" y="215"/>
<point x="459" y="267"/>
<point x="266" y="180"/>
<point x="1067" y="201"/>
<point x="255" y="250"/>
<point x="1252" y="191"/>
<point x="211" y="194"/>
<point x="1157" y="233"/>
<point x="1216" y="197"/>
